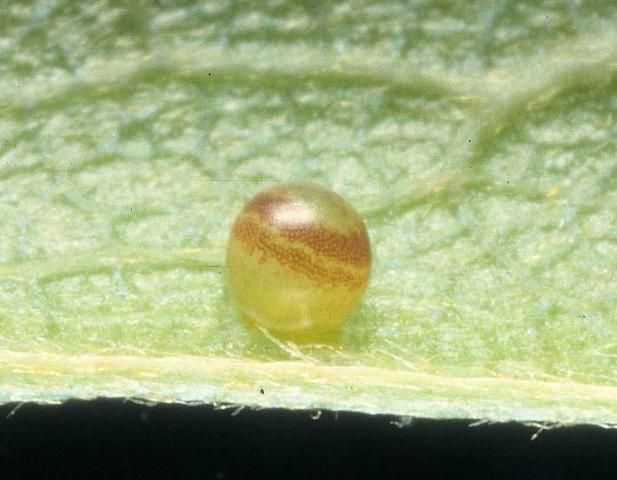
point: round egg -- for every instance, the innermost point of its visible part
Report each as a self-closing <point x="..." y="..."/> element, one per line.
<point x="298" y="259"/>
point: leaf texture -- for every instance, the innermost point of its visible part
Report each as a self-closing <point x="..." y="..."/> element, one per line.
<point x="477" y="139"/>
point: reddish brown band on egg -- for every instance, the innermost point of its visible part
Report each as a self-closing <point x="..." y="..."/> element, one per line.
<point x="351" y="248"/>
<point x="320" y="253"/>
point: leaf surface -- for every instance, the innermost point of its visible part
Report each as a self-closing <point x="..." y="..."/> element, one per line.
<point x="476" y="138"/>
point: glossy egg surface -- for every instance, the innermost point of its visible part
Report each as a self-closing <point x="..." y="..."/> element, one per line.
<point x="298" y="259"/>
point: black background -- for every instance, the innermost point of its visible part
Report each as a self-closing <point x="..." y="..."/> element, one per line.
<point x="120" y="439"/>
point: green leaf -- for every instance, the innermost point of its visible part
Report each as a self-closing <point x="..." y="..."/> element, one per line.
<point x="478" y="139"/>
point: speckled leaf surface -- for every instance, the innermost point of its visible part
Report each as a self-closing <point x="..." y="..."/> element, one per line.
<point x="478" y="140"/>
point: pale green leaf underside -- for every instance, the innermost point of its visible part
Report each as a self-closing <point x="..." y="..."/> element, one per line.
<point x="478" y="139"/>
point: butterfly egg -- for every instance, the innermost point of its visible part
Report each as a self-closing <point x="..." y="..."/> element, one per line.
<point x="298" y="259"/>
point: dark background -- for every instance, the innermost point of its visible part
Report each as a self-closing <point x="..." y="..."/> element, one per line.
<point x="120" y="439"/>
